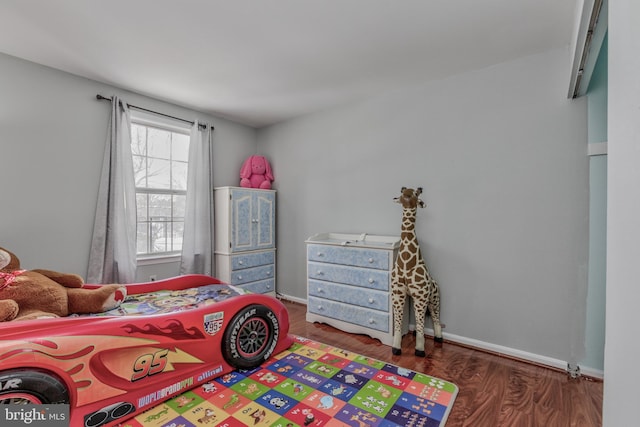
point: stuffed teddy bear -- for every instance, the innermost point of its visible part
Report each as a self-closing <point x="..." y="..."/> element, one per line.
<point x="256" y="173"/>
<point x="34" y="294"/>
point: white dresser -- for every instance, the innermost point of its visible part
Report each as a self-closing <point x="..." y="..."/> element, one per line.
<point x="245" y="238"/>
<point x="349" y="282"/>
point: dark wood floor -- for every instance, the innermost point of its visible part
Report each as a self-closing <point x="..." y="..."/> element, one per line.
<point x="493" y="390"/>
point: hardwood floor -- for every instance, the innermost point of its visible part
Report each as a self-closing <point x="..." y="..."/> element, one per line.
<point x="493" y="390"/>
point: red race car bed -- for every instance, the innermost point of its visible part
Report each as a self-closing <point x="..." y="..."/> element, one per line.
<point x="166" y="337"/>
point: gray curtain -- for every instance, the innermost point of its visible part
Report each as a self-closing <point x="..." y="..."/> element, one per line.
<point x="113" y="247"/>
<point x="197" y="242"/>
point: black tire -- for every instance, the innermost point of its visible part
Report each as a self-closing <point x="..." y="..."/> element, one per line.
<point x="251" y="337"/>
<point x="29" y="386"/>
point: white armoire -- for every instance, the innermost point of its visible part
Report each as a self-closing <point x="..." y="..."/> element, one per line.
<point x="245" y="238"/>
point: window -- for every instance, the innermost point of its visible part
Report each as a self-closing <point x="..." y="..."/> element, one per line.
<point x="160" y="161"/>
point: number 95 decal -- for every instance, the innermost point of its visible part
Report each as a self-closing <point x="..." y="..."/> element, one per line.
<point x="149" y="364"/>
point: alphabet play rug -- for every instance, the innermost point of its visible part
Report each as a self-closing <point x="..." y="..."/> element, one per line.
<point x="311" y="384"/>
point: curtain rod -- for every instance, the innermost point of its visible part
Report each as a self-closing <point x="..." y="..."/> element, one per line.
<point x="104" y="98"/>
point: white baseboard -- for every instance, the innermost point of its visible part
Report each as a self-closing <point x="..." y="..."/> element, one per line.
<point x="518" y="354"/>
<point x="494" y="348"/>
<point x="591" y="372"/>
<point x="290" y="298"/>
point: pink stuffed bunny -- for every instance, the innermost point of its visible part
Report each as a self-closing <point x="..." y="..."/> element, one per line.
<point x="256" y="173"/>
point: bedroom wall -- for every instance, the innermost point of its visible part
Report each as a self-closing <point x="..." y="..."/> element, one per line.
<point x="620" y="405"/>
<point x="52" y="134"/>
<point x="501" y="154"/>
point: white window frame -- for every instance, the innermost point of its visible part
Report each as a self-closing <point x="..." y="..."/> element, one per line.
<point x="164" y="123"/>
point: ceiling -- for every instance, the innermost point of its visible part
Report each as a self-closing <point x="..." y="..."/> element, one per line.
<point x="262" y="62"/>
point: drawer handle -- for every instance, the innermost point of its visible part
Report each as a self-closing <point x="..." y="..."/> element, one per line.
<point x="320" y="254"/>
<point x="370" y="260"/>
<point x="371" y="321"/>
<point x="268" y="286"/>
<point x="320" y="308"/>
<point x="320" y="290"/>
<point x="239" y="277"/>
<point x="241" y="262"/>
<point x="269" y="273"/>
<point x="371" y="300"/>
<point x="320" y="273"/>
<point x="371" y="280"/>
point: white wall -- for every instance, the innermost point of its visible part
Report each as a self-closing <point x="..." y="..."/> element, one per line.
<point x="52" y="137"/>
<point x="501" y="154"/>
<point x="623" y="218"/>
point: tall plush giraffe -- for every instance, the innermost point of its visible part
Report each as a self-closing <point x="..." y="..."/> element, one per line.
<point x="410" y="276"/>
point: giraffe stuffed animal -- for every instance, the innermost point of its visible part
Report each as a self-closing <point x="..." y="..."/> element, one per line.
<point x="410" y="276"/>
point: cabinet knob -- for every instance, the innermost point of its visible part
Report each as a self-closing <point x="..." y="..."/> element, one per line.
<point x="371" y="280"/>
<point x="370" y="260"/>
<point x="320" y="290"/>
<point x="371" y="301"/>
<point x="241" y="262"/>
<point x="320" y="254"/>
<point x="371" y="321"/>
<point x="239" y="277"/>
<point x="268" y="286"/>
<point x="320" y="273"/>
<point x="269" y="273"/>
<point x="320" y="307"/>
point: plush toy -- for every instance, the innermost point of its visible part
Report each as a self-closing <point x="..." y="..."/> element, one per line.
<point x="256" y="173"/>
<point x="34" y="294"/>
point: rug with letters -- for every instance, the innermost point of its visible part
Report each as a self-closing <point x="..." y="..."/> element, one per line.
<point x="311" y="384"/>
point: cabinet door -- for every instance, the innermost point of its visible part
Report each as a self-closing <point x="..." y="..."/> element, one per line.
<point x="252" y="220"/>
<point x="241" y="221"/>
<point x="265" y="228"/>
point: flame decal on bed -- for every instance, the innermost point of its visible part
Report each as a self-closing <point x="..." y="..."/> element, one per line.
<point x="71" y="356"/>
<point x="73" y="360"/>
<point x="45" y="343"/>
<point x="174" y="328"/>
<point x="74" y="370"/>
<point x="83" y="384"/>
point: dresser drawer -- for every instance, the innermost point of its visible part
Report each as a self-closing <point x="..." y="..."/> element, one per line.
<point x="252" y="274"/>
<point x="368" y="298"/>
<point x="371" y="319"/>
<point x="240" y="262"/>
<point x="363" y="277"/>
<point x="367" y="258"/>
<point x="260" y="287"/>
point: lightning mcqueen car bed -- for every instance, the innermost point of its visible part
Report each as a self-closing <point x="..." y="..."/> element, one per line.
<point x="167" y="337"/>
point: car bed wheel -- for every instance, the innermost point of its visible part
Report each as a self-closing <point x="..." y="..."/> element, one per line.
<point x="21" y="387"/>
<point x="251" y="337"/>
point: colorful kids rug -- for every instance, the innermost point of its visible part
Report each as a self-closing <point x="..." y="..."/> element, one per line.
<point x="311" y="384"/>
